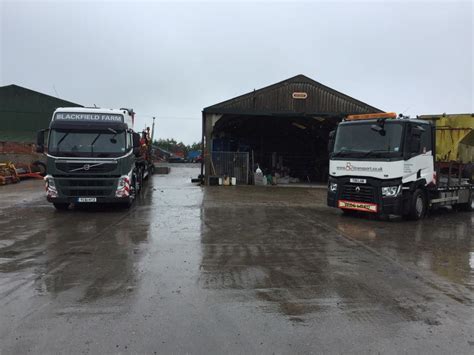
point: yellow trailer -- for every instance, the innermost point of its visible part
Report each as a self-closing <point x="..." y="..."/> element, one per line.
<point x="454" y="137"/>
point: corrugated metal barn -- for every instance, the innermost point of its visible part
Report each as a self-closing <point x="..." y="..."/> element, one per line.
<point x="283" y="128"/>
<point x="23" y="112"/>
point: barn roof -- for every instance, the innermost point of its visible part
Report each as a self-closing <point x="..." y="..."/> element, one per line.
<point x="312" y="98"/>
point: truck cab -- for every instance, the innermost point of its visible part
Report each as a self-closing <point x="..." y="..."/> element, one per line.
<point x="92" y="157"/>
<point x="386" y="165"/>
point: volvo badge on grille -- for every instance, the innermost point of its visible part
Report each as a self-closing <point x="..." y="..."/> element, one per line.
<point x="86" y="167"/>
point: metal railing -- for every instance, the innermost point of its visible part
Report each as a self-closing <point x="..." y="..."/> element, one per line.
<point x="232" y="164"/>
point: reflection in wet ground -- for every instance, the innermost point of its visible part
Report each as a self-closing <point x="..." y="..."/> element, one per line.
<point x="231" y="269"/>
<point x="89" y="252"/>
<point x="442" y="244"/>
<point x="296" y="260"/>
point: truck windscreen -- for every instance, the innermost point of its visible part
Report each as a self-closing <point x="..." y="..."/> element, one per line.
<point x="70" y="143"/>
<point x="369" y="139"/>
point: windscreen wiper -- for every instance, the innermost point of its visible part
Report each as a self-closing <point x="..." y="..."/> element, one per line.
<point x="337" y="154"/>
<point x="61" y="140"/>
<point x="375" y="151"/>
<point x="92" y="144"/>
<point x="348" y="152"/>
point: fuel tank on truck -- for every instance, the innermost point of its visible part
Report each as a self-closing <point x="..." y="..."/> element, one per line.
<point x="454" y="137"/>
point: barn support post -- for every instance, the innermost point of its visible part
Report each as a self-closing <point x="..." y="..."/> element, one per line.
<point x="209" y="121"/>
<point x="203" y="126"/>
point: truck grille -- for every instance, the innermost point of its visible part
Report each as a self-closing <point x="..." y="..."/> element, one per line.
<point x="358" y="193"/>
<point x="85" y="187"/>
<point x="86" y="167"/>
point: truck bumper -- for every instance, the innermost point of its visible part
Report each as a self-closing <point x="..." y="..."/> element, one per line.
<point x="385" y="205"/>
<point x="388" y="205"/>
<point x="99" y="200"/>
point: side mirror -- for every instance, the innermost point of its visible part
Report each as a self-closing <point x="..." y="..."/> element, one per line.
<point x="417" y="131"/>
<point x="331" y="141"/>
<point x="136" y="143"/>
<point x="40" y="141"/>
<point x="378" y="128"/>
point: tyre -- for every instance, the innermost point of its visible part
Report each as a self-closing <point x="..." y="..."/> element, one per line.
<point x="61" y="206"/>
<point x="468" y="207"/>
<point x="137" y="181"/>
<point x="468" y="172"/>
<point x="127" y="205"/>
<point x="418" y="205"/>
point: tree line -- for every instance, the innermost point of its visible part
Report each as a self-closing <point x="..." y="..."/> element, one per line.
<point x="173" y="146"/>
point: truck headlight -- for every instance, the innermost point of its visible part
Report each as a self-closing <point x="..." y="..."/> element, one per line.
<point x="123" y="187"/>
<point x="333" y="186"/>
<point x="50" y="182"/>
<point x="50" y="186"/>
<point x="391" y="191"/>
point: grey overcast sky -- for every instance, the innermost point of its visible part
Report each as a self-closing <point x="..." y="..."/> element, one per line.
<point x="172" y="59"/>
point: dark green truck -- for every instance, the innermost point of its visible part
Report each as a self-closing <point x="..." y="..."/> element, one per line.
<point x="93" y="157"/>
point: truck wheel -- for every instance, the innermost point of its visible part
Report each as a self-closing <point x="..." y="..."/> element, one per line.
<point x="469" y="206"/>
<point x="418" y="205"/>
<point x="468" y="172"/>
<point x="138" y="181"/>
<point x="127" y="204"/>
<point x="61" y="206"/>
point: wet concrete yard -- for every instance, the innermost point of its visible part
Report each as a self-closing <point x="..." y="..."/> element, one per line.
<point x="230" y="270"/>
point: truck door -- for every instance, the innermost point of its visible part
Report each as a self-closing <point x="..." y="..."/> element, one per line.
<point x="419" y="146"/>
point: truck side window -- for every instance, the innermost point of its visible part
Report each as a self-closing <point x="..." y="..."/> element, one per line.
<point x="425" y="145"/>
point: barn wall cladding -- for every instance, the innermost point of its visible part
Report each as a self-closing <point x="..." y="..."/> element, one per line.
<point x="23" y="112"/>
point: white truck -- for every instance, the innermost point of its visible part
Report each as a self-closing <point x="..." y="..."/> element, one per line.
<point x="392" y="165"/>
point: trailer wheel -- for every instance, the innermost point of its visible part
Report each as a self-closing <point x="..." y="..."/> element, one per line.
<point x="418" y="205"/>
<point x="469" y="206"/>
<point x="61" y="206"/>
<point x="468" y="172"/>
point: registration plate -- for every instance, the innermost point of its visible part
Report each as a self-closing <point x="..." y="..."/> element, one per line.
<point x="87" y="199"/>
<point x="358" y="206"/>
<point x="358" y="181"/>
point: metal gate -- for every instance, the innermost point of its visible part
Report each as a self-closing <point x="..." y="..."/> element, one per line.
<point x="233" y="164"/>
